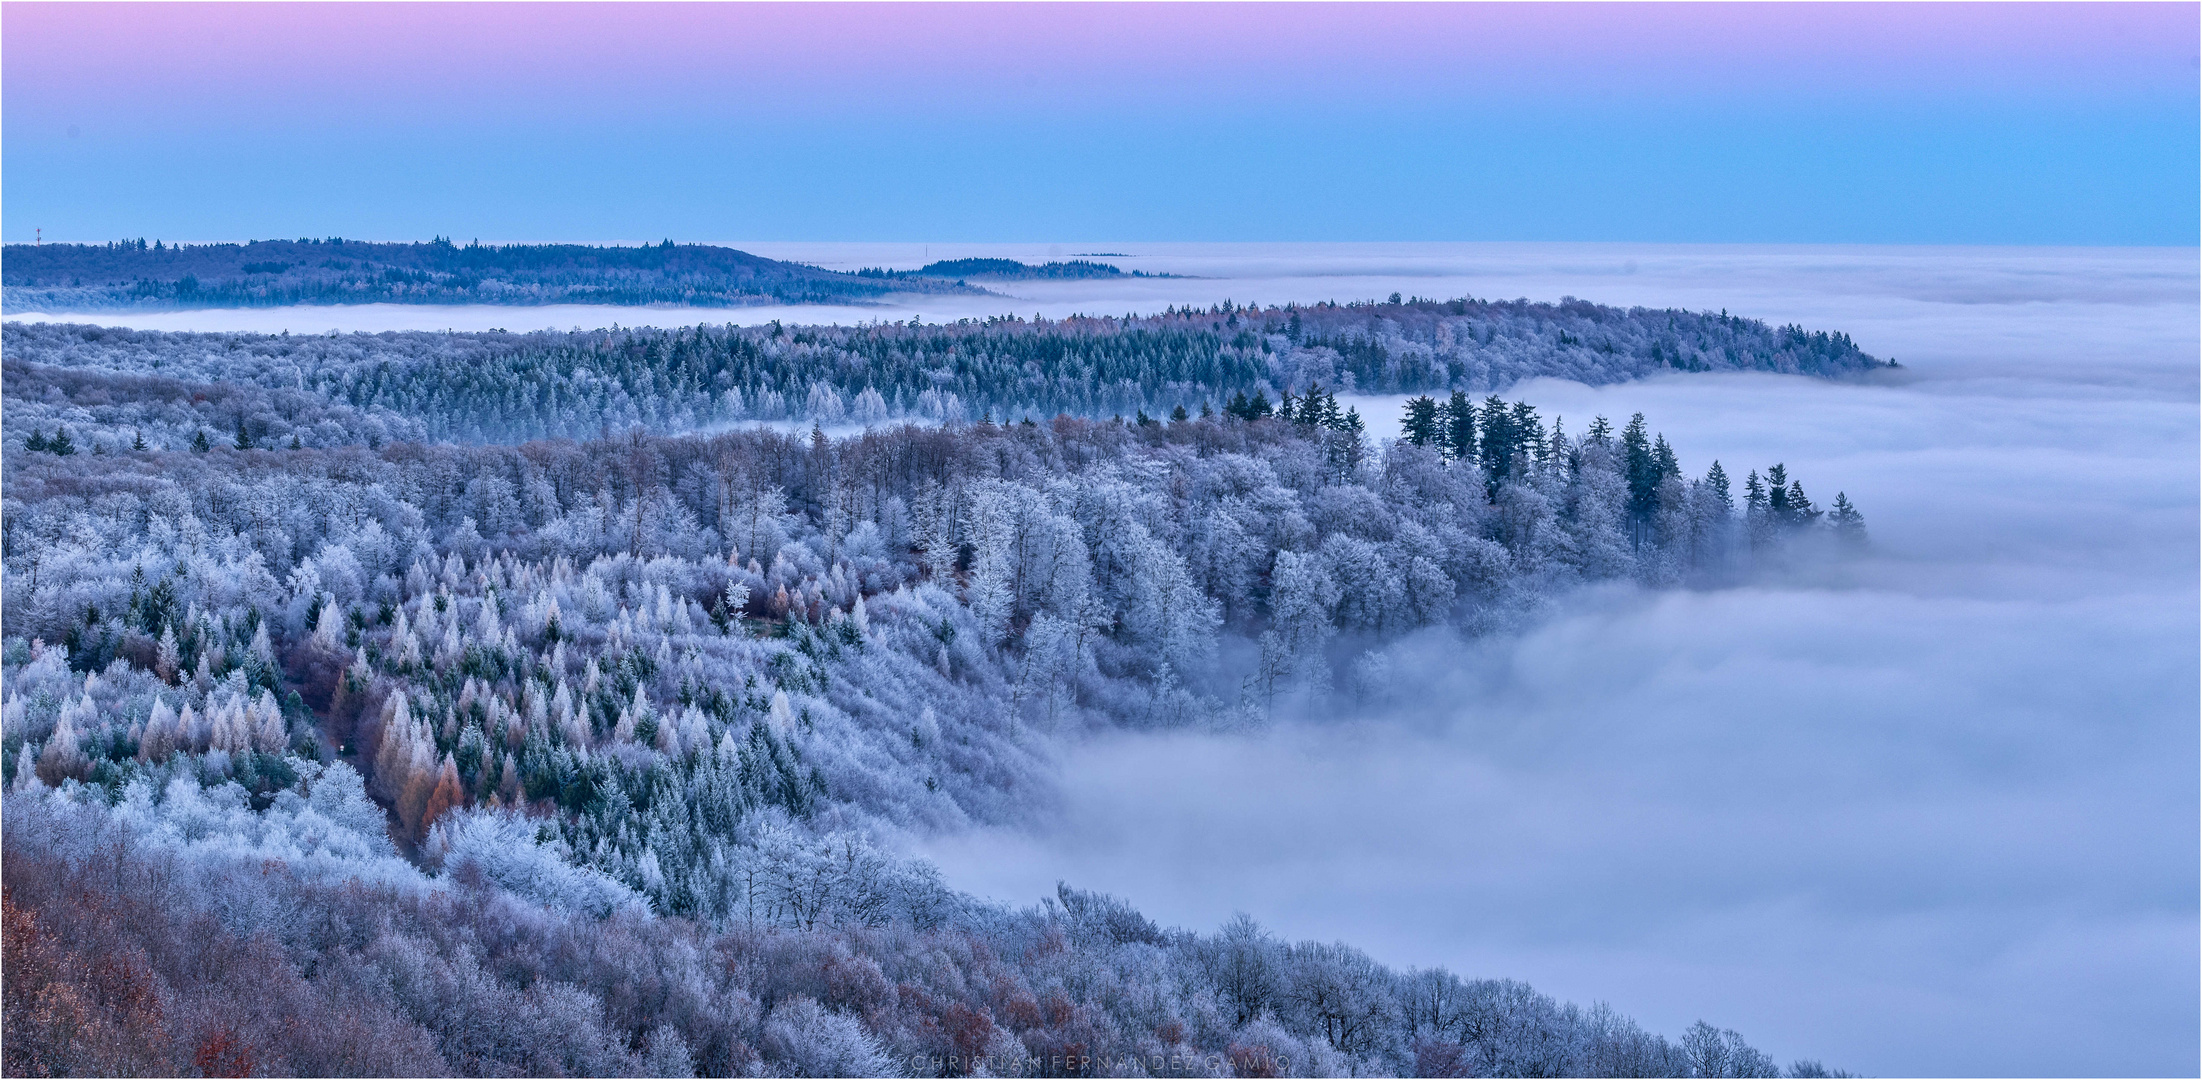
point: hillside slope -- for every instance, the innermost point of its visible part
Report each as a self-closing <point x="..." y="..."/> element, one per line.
<point x="270" y="273"/>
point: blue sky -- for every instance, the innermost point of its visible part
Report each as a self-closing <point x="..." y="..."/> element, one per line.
<point x="1943" y="124"/>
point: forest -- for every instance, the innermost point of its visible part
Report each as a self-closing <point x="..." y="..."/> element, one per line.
<point x="115" y="387"/>
<point x="1008" y="270"/>
<point x="337" y="745"/>
<point x="270" y="273"/>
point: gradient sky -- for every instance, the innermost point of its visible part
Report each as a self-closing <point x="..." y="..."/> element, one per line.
<point x="1851" y="123"/>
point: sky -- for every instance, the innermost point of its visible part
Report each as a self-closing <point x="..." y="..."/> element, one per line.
<point x="1728" y="123"/>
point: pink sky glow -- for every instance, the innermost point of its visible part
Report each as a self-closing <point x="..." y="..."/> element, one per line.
<point x="273" y="57"/>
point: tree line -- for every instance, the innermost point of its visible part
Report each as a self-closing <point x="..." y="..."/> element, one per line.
<point x="110" y="384"/>
<point x="275" y="273"/>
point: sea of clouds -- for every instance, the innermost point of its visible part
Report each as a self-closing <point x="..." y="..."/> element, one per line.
<point x="1933" y="812"/>
<point x="1930" y="812"/>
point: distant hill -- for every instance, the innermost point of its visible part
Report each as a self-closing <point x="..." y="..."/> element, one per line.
<point x="268" y="273"/>
<point x="1005" y="270"/>
<point x="1011" y="269"/>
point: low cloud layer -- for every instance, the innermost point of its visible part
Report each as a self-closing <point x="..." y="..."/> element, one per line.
<point x="1931" y="813"/>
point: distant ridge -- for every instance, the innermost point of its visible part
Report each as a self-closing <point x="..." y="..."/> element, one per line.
<point x="1004" y="270"/>
<point x="272" y="273"/>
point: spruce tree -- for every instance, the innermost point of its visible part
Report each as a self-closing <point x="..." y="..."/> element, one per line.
<point x="1801" y="510"/>
<point x="1778" y="509"/>
<point x="1420" y="425"/>
<point x="199" y="443"/>
<point x="1849" y="524"/>
<point x="1460" y="427"/>
<point x="244" y="441"/>
<point x="61" y="444"/>
<point x="137" y="442"/>
<point x="1716" y="478"/>
<point x="1528" y="434"/>
<point x="1641" y="469"/>
<point x="37" y="442"/>
<point x="1497" y="438"/>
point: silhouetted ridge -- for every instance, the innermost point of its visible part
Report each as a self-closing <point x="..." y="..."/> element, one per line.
<point x="271" y="273"/>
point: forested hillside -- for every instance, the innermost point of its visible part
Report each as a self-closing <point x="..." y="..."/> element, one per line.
<point x="351" y="726"/>
<point x="1009" y="270"/>
<point x="268" y="273"/>
<point x="498" y="387"/>
<point x="689" y="677"/>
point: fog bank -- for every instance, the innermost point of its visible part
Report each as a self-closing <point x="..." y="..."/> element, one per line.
<point x="1933" y="812"/>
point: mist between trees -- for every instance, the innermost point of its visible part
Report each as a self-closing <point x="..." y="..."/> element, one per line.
<point x="580" y="757"/>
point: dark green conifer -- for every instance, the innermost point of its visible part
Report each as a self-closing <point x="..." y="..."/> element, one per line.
<point x="1849" y="524"/>
<point x="1420" y="426"/>
<point x="1459" y="425"/>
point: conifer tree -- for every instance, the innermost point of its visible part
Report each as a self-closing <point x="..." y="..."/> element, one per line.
<point x="168" y="659"/>
<point x="1642" y="472"/>
<point x="1663" y="459"/>
<point x="447" y="794"/>
<point x="1801" y="511"/>
<point x="1716" y="480"/>
<point x="1420" y="426"/>
<point x="1459" y="423"/>
<point x="1849" y="524"/>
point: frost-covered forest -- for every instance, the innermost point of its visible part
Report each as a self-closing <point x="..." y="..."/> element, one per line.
<point x="112" y="386"/>
<point x="269" y="273"/>
<point x="348" y="732"/>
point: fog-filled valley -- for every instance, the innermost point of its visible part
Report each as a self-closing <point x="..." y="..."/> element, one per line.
<point x="1940" y="804"/>
<point x="723" y="698"/>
